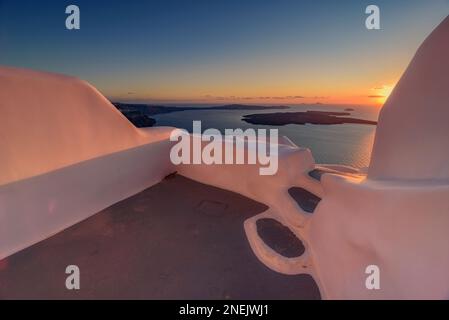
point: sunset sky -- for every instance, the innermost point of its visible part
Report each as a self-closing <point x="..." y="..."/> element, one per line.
<point x="217" y="51"/>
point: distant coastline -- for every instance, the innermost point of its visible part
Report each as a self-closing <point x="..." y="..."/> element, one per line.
<point x="158" y="109"/>
<point x="140" y="114"/>
<point x="302" y="118"/>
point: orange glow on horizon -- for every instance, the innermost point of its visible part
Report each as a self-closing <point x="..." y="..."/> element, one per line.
<point x="381" y="94"/>
<point x="386" y="91"/>
<point x="375" y="100"/>
<point x="329" y="93"/>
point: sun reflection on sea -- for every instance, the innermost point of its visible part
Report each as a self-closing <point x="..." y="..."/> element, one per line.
<point x="362" y="153"/>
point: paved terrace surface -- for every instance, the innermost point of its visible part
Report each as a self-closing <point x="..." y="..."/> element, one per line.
<point x="177" y="240"/>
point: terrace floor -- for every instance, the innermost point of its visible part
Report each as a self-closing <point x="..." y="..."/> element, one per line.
<point x="179" y="239"/>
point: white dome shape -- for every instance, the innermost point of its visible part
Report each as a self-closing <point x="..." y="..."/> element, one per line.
<point x="413" y="131"/>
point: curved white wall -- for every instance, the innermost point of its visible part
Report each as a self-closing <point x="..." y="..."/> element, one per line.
<point x="386" y="219"/>
<point x="413" y="131"/>
<point x="397" y="218"/>
<point x="49" y="121"/>
<point x="66" y="153"/>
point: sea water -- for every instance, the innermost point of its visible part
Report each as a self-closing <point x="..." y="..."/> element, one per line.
<point x="348" y="144"/>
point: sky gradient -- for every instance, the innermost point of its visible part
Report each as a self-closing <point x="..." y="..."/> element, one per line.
<point x="217" y="51"/>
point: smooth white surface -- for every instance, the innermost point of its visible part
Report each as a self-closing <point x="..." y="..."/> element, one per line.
<point x="34" y="209"/>
<point x="50" y="121"/>
<point x="413" y="131"/>
<point x="66" y="153"/>
<point x="397" y="218"/>
<point x="402" y="227"/>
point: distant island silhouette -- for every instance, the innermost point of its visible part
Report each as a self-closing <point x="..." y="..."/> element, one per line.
<point x="311" y="117"/>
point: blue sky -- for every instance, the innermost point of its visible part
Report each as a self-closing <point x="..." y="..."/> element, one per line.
<point x="195" y="50"/>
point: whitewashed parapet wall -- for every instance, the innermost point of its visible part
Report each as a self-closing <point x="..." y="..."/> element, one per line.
<point x="56" y="172"/>
<point x="396" y="218"/>
<point x="66" y="153"/>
